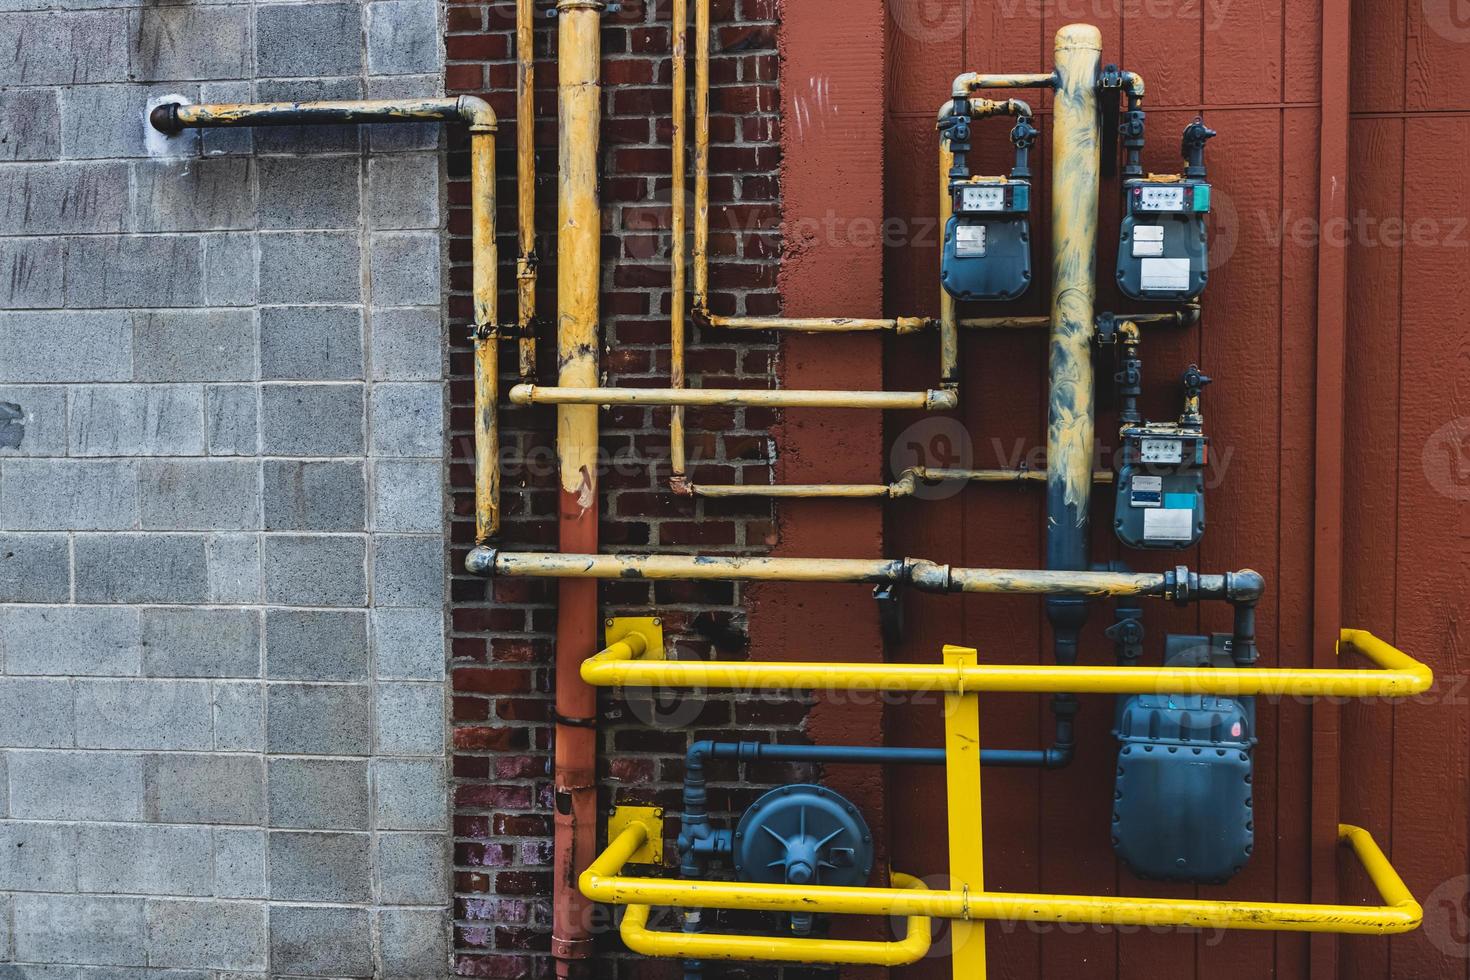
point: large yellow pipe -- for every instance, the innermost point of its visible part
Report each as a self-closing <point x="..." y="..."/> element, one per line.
<point x="679" y="226"/>
<point x="486" y="336"/>
<point x="526" y="184"/>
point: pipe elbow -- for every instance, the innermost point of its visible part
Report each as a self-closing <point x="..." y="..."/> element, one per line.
<point x="941" y="400"/>
<point x="477" y="113"/>
<point x="1245" y="587"/>
<point x="481" y="561"/>
<point x="963" y="83"/>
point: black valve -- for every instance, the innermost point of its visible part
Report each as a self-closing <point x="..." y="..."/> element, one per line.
<point x="1192" y="147"/>
<point x="1023" y="136"/>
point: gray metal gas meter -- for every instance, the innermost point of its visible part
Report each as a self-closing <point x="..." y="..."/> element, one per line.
<point x="1161" y="483"/>
<point x="987" y="242"/>
<point x="1163" y="249"/>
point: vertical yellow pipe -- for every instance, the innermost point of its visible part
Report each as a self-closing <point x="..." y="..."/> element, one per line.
<point x="677" y="298"/>
<point x="701" y="156"/>
<point x="526" y="184"/>
<point x="966" y="848"/>
<point x="949" y="333"/>
<point x="486" y="332"/>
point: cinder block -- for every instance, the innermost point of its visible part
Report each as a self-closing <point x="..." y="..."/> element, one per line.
<point x="405" y="267"/>
<point x="34" y="568"/>
<point x="311" y="719"/>
<point x="67" y="640"/>
<point x="413" y="869"/>
<point x="137" y="420"/>
<point x="308" y="192"/>
<point x="30" y="119"/>
<point x="232" y="423"/>
<point x="63" y="198"/>
<point x="194" y="345"/>
<point x="194" y="194"/>
<point x="239" y="717"/>
<point x="230" y="267"/>
<point x="312" y="419"/>
<point x="86" y="929"/>
<point x="234" y="568"/>
<point x="192" y="642"/>
<point x="408" y="570"/>
<point x="32" y="420"/>
<point x="53" y="48"/>
<point x="218" y="43"/>
<point x="310" y="267"/>
<point x="410" y="719"/>
<point x="403" y="37"/>
<point x="30" y="273"/>
<point x="199" y="494"/>
<point x="168" y="568"/>
<point x="311" y="343"/>
<point x="38" y="857"/>
<point x="307" y="139"/>
<point x="414" y="943"/>
<point x="409" y="794"/>
<point x="204" y="788"/>
<point x="206" y="935"/>
<point x="408" y="344"/>
<point x="317" y="495"/>
<point x="404" y="189"/>
<point x="55" y="346"/>
<point x="83" y="105"/>
<point x="132" y="271"/>
<point x="314" y="570"/>
<point x="139" y="859"/>
<point x="36" y="713"/>
<point x="319" y="794"/>
<point x="320" y="942"/>
<point x="316" y="645"/>
<point x="53" y="785"/>
<point x="408" y="495"/>
<point x="414" y="136"/>
<point x="239" y="863"/>
<point x="314" y="867"/>
<point x="144" y="714"/>
<point x="408" y="420"/>
<point x="408" y="644"/>
<point x="309" y="40"/>
<point x="229" y="140"/>
<point x="68" y="494"/>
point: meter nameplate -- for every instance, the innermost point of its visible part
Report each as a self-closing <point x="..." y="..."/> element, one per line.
<point x="1147" y="491"/>
<point x="1168" y="524"/>
<point x="969" y="240"/>
<point x="1164" y="275"/>
<point x="1148" y="241"/>
<point x="983" y="197"/>
<point x="1161" y="451"/>
<point x="1168" y="198"/>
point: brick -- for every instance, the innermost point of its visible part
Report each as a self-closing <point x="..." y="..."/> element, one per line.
<point x="326" y="942"/>
<point x="314" y="39"/>
<point x="144" y="860"/>
<point x="185" y="42"/>
<point x="239" y="717"/>
<point x="229" y="269"/>
<point x="183" y="787"/>
<point x="318" y="495"/>
<point x="403" y="189"/>
<point x="403" y="37"/>
<point x="408" y="570"/>
<point x="110" y="271"/>
<point x="314" y="570"/>
<point x="319" y="719"/>
<point x="319" y="794"/>
<point x="30" y="273"/>
<point x="195" y="194"/>
<point x="232" y="420"/>
<point x="206" y="935"/>
<point x="408" y="420"/>
<point x="34" y="568"/>
<point x="51" y="785"/>
<point x="408" y="344"/>
<point x="234" y="568"/>
<point x="53" y="346"/>
<point x="408" y="495"/>
<point x="142" y="420"/>
<point x="409" y="794"/>
<point x="38" y="857"/>
<point x="405" y="268"/>
<point x="54" y="48"/>
<point x="36" y="713"/>
<point x="83" y="929"/>
<point x="311" y="343"/>
<point x="69" y="640"/>
<point x="312" y="420"/>
<point x="31" y="122"/>
<point x="409" y="719"/>
<point x="413" y="942"/>
<point x="239" y="863"/>
<point x="316" y="644"/>
<point x="310" y="267"/>
<point x="141" y="568"/>
<point x="144" y="714"/>
<point x="308" y="192"/>
<point x="194" y="345"/>
<point x="192" y="642"/>
<point x="183" y="495"/>
<point x="408" y="644"/>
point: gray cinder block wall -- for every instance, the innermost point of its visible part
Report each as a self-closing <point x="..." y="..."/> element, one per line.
<point x="222" y="714"/>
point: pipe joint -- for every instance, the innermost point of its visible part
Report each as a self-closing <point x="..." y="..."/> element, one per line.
<point x="165" y="118"/>
<point x="941" y="400"/>
<point x="481" y="561"/>
<point x="477" y="114"/>
<point x="1245" y="587"/>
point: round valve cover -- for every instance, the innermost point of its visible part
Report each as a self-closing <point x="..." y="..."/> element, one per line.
<point x="803" y="834"/>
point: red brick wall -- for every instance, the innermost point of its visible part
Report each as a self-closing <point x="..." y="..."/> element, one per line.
<point x="501" y="633"/>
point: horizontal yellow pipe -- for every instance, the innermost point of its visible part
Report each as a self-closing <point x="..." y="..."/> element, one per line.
<point x="785" y="949"/>
<point x="1399" y="676"/>
<point x="602" y="882"/>
<point x="524" y="394"/>
<point x="840" y="324"/>
<point x="972" y="81"/>
<point x="904" y="486"/>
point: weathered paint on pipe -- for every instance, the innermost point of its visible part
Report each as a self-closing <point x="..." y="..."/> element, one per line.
<point x="678" y="298"/>
<point x="527" y="262"/>
<point x="701" y="155"/>
<point x="972" y="81"/>
<point x="839" y="324"/>
<point x="728" y="397"/>
<point x="905" y="486"/>
<point x="173" y="117"/>
<point x="1187" y="316"/>
<point x="949" y="333"/>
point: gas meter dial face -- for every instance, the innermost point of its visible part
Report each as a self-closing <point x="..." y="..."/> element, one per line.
<point x="1169" y="198"/>
<point x="1161" y="451"/>
<point x="983" y="197"/>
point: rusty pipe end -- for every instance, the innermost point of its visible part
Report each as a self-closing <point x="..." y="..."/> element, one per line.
<point x="680" y="486"/>
<point x="165" y="118"/>
<point x="481" y="561"/>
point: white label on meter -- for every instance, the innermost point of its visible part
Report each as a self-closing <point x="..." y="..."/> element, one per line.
<point x="983" y="197"/>
<point x="1147" y="491"/>
<point x="1161" y="451"/>
<point x="1161" y="199"/>
<point x="1169" y="524"/>
<point x="1148" y="240"/>
<point x="1164" y="275"/>
<point x="969" y="240"/>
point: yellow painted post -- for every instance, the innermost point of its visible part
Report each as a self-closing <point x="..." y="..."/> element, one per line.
<point x="966" y="848"/>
